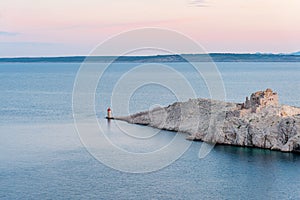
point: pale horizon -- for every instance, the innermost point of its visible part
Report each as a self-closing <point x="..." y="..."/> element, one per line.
<point x="60" y="28"/>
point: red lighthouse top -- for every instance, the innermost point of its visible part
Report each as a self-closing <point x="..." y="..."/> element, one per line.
<point x="108" y="109"/>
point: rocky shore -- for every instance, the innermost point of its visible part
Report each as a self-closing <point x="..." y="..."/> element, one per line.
<point x="258" y="122"/>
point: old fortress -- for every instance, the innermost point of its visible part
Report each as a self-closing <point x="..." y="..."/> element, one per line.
<point x="259" y="100"/>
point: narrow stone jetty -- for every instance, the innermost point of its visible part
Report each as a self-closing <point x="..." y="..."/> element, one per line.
<point x="260" y="121"/>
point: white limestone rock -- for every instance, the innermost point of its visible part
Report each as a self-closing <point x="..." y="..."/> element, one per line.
<point x="271" y="126"/>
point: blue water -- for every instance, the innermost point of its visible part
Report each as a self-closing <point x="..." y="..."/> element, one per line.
<point x="41" y="155"/>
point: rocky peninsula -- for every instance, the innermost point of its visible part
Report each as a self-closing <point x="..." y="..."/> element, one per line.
<point x="258" y="122"/>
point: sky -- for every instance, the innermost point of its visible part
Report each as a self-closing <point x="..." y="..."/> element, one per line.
<point x="64" y="27"/>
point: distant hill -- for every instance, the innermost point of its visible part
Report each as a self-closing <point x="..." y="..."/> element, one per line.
<point x="216" y="57"/>
<point x="296" y="53"/>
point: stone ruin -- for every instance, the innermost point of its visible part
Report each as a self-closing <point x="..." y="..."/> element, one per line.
<point x="259" y="100"/>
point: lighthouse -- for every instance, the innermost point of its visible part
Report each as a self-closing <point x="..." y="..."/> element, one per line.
<point x="109" y="115"/>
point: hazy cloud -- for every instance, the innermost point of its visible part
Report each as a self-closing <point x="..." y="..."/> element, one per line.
<point x="30" y="43"/>
<point x="5" y="33"/>
<point x="25" y="49"/>
<point x="198" y="3"/>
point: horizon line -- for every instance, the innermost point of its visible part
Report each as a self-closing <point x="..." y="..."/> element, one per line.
<point x="150" y="55"/>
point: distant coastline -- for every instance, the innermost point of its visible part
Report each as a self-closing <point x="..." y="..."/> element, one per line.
<point x="216" y="57"/>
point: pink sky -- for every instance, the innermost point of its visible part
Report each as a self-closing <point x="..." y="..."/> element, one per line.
<point x="61" y="27"/>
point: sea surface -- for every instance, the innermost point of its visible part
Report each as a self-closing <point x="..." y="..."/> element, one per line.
<point x="43" y="157"/>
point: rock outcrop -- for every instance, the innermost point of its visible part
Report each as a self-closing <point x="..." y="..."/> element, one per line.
<point x="259" y="122"/>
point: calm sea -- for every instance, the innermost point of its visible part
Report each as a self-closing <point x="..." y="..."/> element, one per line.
<point x="41" y="155"/>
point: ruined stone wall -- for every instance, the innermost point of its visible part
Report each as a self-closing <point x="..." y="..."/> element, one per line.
<point x="261" y="99"/>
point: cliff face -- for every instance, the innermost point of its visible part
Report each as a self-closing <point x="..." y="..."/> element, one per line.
<point x="275" y="127"/>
